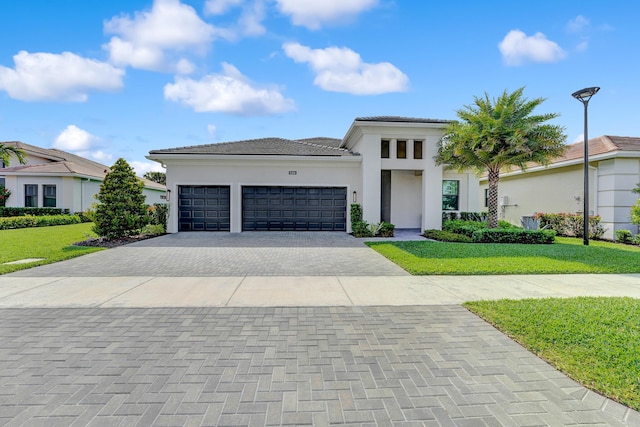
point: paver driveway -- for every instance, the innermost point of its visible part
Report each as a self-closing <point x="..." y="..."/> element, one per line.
<point x="422" y="366"/>
<point x="230" y="254"/>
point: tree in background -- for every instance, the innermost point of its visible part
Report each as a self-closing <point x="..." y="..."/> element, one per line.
<point x="635" y="209"/>
<point x="7" y="150"/>
<point x="159" y="177"/>
<point x="497" y="134"/>
<point x="121" y="210"/>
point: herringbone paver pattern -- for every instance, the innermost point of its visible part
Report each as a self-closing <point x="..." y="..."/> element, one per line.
<point x="433" y="366"/>
<point x="201" y="254"/>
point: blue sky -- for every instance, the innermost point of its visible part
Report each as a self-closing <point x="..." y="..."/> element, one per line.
<point x="122" y="77"/>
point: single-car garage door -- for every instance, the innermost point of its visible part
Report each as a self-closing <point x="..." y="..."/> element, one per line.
<point x="203" y="208"/>
<point x="278" y="208"/>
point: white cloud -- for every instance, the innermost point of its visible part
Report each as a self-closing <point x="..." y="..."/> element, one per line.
<point x="582" y="46"/>
<point x="143" y="167"/>
<point x="74" y="139"/>
<point x="82" y="143"/>
<point x="154" y="39"/>
<point x="579" y="138"/>
<point x="342" y="70"/>
<point x="577" y="24"/>
<point x="212" y="131"/>
<point x="314" y="14"/>
<point x="227" y="92"/>
<point x="220" y="7"/>
<point x="101" y="157"/>
<point x="57" y="77"/>
<point x="250" y="23"/>
<point x="517" y="48"/>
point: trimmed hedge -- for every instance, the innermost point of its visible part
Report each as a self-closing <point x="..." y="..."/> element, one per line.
<point x="26" y="221"/>
<point x="510" y="235"/>
<point x="446" y="236"/>
<point x="14" y="211"/>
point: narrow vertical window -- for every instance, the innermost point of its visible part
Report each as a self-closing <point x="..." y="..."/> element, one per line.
<point x="30" y="196"/>
<point x="49" y="196"/>
<point x="417" y="150"/>
<point x="384" y="149"/>
<point x="450" y="195"/>
<point x="402" y="149"/>
<point x="486" y="197"/>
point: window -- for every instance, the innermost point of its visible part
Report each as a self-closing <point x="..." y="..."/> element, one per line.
<point x="450" y="192"/>
<point x="2" y="181"/>
<point x="402" y="149"/>
<point x="30" y="196"/>
<point x="486" y="197"/>
<point x="49" y="196"/>
<point x="384" y="149"/>
<point x="417" y="149"/>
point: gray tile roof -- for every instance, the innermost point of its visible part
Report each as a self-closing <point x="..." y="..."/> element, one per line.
<point x="399" y="119"/>
<point x="63" y="163"/>
<point x="318" y="146"/>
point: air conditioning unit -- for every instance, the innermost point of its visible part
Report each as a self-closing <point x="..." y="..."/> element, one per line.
<point x="504" y="200"/>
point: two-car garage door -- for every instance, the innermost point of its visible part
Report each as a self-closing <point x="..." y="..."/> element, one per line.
<point x="264" y="208"/>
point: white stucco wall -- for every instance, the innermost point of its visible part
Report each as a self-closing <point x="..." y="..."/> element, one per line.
<point x="239" y="171"/>
<point x="558" y="190"/>
<point x="548" y="191"/>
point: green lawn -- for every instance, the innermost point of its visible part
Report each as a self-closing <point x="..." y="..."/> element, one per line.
<point x="567" y="255"/>
<point x="50" y="243"/>
<point x="595" y="341"/>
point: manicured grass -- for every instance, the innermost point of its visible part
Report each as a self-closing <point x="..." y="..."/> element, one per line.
<point x="595" y="341"/>
<point x="567" y="255"/>
<point x="50" y="243"/>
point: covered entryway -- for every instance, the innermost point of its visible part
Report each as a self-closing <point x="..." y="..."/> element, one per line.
<point x="279" y="208"/>
<point x="204" y="208"/>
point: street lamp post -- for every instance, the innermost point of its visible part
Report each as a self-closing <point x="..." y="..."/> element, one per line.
<point x="584" y="95"/>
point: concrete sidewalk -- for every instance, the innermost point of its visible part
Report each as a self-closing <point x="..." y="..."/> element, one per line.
<point x="301" y="291"/>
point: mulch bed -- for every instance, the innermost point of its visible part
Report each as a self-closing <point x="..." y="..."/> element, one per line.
<point x="112" y="243"/>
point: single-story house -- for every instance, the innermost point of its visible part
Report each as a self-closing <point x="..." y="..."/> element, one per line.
<point x="385" y="164"/>
<point x="614" y="171"/>
<point x="55" y="178"/>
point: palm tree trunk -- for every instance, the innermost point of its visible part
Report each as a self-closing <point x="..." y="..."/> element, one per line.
<point x="494" y="177"/>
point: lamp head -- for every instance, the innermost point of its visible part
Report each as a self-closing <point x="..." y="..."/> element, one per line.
<point x="584" y="95"/>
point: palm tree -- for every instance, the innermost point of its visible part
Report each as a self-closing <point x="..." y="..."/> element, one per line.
<point x="495" y="135"/>
<point x="7" y="150"/>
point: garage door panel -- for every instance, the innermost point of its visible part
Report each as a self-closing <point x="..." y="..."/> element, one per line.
<point x="204" y="208"/>
<point x="294" y="208"/>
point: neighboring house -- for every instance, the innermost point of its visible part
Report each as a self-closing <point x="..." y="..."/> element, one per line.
<point x="614" y="171"/>
<point x="383" y="163"/>
<point x="55" y="178"/>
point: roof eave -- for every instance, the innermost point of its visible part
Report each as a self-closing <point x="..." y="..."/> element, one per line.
<point x="160" y="157"/>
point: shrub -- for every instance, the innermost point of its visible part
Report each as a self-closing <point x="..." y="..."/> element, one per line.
<point x="26" y="221"/>
<point x="636" y="239"/>
<point x="634" y="215"/>
<point x="466" y="228"/>
<point x="121" y="210"/>
<point x="506" y="224"/>
<point x="361" y="229"/>
<point x="446" y="236"/>
<point x="516" y="235"/>
<point x="474" y="216"/>
<point x="4" y="194"/>
<point x="16" y="211"/>
<point x="157" y="214"/>
<point x="623" y="236"/>
<point x="571" y="225"/>
<point x="386" y="229"/>
<point x="152" y="230"/>
<point x="356" y="213"/>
